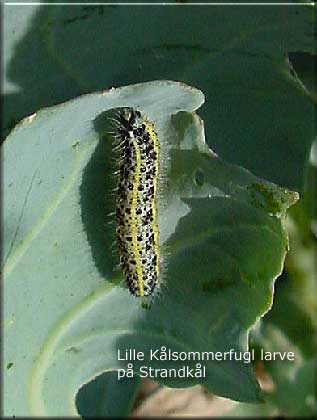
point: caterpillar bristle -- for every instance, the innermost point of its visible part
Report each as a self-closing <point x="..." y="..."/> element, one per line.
<point x="117" y="268"/>
<point x="115" y="121"/>
<point x="136" y="153"/>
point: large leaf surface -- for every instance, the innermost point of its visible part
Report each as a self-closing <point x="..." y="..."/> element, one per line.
<point x="258" y="113"/>
<point x="67" y="311"/>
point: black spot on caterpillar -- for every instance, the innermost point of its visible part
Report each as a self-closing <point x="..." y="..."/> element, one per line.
<point x="137" y="234"/>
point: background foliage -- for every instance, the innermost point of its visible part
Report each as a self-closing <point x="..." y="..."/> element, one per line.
<point x="251" y="64"/>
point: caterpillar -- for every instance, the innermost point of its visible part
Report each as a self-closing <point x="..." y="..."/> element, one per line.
<point x="137" y="234"/>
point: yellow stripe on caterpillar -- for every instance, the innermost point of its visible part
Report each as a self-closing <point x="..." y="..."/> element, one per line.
<point x="137" y="230"/>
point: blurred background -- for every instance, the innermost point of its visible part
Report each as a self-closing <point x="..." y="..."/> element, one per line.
<point x="256" y="66"/>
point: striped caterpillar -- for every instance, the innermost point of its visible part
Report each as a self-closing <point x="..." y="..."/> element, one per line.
<point x="137" y="232"/>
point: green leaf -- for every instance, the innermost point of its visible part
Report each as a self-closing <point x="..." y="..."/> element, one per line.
<point x="105" y="397"/>
<point x="293" y="390"/>
<point x="67" y="312"/>
<point x="258" y="113"/>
